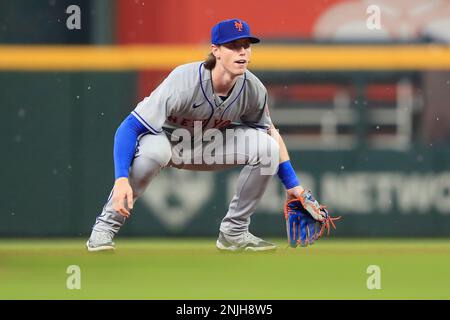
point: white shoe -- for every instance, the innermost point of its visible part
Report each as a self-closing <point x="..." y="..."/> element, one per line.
<point x="100" y="241"/>
<point x="243" y="242"/>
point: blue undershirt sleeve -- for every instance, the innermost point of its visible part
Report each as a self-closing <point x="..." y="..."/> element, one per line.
<point x="125" y="144"/>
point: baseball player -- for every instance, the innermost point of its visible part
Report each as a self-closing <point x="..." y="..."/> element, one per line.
<point x="218" y="95"/>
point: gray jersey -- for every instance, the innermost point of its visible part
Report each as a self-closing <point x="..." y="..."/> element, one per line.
<point x="187" y="95"/>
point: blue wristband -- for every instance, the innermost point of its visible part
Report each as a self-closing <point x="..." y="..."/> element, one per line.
<point x="287" y="175"/>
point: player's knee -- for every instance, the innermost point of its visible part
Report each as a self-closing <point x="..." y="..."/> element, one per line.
<point x="156" y="148"/>
<point x="270" y="154"/>
<point x="266" y="151"/>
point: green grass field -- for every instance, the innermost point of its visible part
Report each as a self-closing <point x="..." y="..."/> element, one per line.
<point x="194" y="269"/>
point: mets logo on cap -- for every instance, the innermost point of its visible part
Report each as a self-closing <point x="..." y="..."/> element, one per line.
<point x="230" y="30"/>
<point x="238" y="25"/>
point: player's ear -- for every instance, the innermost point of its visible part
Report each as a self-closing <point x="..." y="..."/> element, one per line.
<point x="215" y="51"/>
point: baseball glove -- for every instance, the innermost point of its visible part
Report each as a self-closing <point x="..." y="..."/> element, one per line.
<point x="306" y="220"/>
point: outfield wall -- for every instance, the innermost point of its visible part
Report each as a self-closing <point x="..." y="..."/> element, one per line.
<point x="57" y="133"/>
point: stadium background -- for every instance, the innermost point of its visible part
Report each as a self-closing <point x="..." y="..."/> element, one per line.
<point x="364" y="112"/>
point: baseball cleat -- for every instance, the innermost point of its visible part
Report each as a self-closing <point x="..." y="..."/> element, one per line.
<point x="100" y="241"/>
<point x="243" y="242"/>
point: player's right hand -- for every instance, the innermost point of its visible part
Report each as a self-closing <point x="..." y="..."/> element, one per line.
<point x="122" y="197"/>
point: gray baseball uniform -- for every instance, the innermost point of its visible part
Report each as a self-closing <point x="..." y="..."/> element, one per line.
<point x="185" y="102"/>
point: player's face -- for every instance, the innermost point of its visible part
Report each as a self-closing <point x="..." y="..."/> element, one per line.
<point x="234" y="56"/>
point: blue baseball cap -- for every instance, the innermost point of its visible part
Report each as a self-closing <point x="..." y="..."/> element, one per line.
<point x="230" y="30"/>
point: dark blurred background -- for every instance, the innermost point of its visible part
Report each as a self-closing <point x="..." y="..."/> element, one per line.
<point x="370" y="138"/>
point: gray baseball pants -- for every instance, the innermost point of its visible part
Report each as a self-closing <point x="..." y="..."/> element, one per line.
<point x="257" y="151"/>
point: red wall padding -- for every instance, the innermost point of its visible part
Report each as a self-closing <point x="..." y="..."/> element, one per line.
<point x="190" y="21"/>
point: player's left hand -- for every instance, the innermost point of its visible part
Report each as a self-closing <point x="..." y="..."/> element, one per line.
<point x="306" y="219"/>
<point x="294" y="193"/>
<point x="307" y="200"/>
